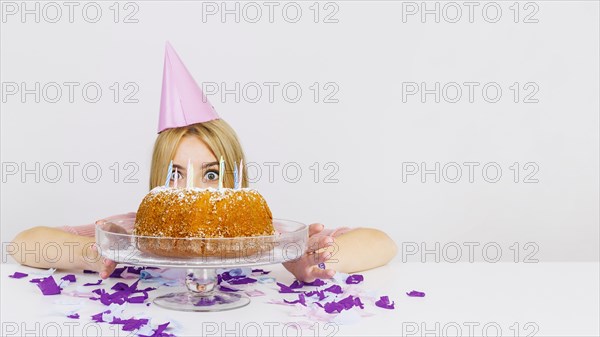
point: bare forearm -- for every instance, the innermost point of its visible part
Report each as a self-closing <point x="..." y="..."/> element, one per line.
<point x="47" y="247"/>
<point x="361" y="249"/>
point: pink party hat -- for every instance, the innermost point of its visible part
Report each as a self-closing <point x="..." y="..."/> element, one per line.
<point x="182" y="102"/>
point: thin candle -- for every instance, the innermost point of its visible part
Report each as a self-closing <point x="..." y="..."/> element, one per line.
<point x="169" y="173"/>
<point x="241" y="170"/>
<point x="190" y="174"/>
<point x="221" y="172"/>
<point x="235" y="177"/>
<point x="176" y="174"/>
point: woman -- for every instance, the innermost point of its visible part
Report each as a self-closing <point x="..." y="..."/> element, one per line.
<point x="190" y="129"/>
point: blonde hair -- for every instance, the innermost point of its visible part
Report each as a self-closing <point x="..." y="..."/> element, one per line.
<point x="218" y="136"/>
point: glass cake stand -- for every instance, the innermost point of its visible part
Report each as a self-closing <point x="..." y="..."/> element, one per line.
<point x="201" y="257"/>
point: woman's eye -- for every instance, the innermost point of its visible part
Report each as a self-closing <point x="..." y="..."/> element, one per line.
<point x="179" y="176"/>
<point x="211" y="176"/>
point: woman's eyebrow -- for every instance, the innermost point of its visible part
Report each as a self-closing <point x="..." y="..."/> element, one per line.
<point x="205" y="165"/>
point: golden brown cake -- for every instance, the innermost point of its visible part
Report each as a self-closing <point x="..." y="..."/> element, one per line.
<point x="174" y="218"/>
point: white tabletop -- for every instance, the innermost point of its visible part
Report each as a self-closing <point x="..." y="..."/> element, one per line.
<point x="543" y="299"/>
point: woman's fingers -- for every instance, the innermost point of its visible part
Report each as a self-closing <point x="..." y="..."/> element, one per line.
<point x="317" y="243"/>
<point x="315" y="228"/>
<point x="316" y="258"/>
<point x="107" y="268"/>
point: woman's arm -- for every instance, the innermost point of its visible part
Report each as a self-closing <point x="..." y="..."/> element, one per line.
<point x="343" y="249"/>
<point x="360" y="249"/>
<point x="48" y="247"/>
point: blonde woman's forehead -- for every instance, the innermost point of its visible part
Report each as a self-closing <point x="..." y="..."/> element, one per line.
<point x="194" y="149"/>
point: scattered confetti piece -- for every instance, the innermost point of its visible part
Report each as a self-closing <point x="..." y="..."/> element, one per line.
<point x="70" y="278"/>
<point x="74" y="316"/>
<point x="384" y="302"/>
<point x="316" y="283"/>
<point x="227" y="289"/>
<point x="296" y="285"/>
<point x="301" y="299"/>
<point x="244" y="280"/>
<point x="117" y="272"/>
<point x="159" y="331"/>
<point x="18" y="275"/>
<point x="123" y="293"/>
<point x="48" y="286"/>
<point x="415" y="293"/>
<point x="336" y="289"/>
<point x="354" y="279"/>
<point x="345" y="304"/>
<point x="283" y="289"/>
<point x="320" y="294"/>
<point x="93" y="284"/>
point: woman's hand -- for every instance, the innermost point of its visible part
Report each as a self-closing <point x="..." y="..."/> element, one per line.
<point x="98" y="263"/>
<point x="306" y="267"/>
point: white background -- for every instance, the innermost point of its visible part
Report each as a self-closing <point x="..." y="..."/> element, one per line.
<point x="368" y="134"/>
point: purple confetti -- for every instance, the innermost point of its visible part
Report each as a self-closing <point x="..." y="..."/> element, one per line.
<point x="261" y="271"/>
<point x="98" y="317"/>
<point x="316" y="283"/>
<point x="36" y="280"/>
<point x="70" y="278"/>
<point x="283" y="289"/>
<point x="351" y="301"/>
<point x="384" y="302"/>
<point x="123" y="293"/>
<point x="319" y="293"/>
<point x="355" y="279"/>
<point x="130" y="324"/>
<point x="135" y="270"/>
<point x="18" y="275"/>
<point x="48" y="286"/>
<point x="74" y="316"/>
<point x="138" y="299"/>
<point x="301" y="299"/>
<point x="332" y="307"/>
<point x="117" y="273"/>
<point x="159" y="331"/>
<point x="121" y="286"/>
<point x="296" y="285"/>
<point x="85" y="271"/>
<point x="93" y="284"/>
<point x="244" y="280"/>
<point x="336" y="289"/>
<point x="344" y="304"/>
<point x="415" y="293"/>
<point x="227" y="289"/>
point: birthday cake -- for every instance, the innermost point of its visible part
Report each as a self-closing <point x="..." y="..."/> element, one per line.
<point x="173" y="221"/>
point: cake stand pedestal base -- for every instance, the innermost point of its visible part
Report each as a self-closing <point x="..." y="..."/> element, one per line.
<point x="202" y="294"/>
